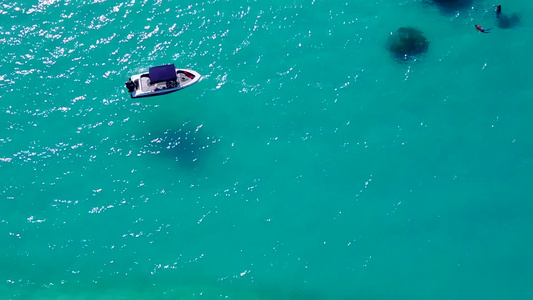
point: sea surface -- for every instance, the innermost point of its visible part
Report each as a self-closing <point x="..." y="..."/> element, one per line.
<point x="306" y="164"/>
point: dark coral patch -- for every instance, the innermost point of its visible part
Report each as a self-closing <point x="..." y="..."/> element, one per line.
<point x="407" y="43"/>
<point x="506" y="22"/>
<point x="452" y="5"/>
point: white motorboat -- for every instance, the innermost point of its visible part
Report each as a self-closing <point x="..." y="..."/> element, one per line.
<point x="161" y="80"/>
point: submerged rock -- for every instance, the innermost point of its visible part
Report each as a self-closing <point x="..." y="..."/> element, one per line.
<point x="506" y="22"/>
<point x="407" y="43"/>
<point x="452" y="5"/>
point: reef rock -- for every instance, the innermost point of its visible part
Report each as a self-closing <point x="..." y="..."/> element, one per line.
<point x="407" y="43"/>
<point x="452" y="5"/>
<point x="506" y="22"/>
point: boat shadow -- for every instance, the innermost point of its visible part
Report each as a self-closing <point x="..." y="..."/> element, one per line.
<point x="186" y="146"/>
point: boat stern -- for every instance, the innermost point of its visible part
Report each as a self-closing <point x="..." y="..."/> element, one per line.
<point x="130" y="85"/>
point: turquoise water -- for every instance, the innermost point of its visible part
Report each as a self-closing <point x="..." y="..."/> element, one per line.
<point x="306" y="164"/>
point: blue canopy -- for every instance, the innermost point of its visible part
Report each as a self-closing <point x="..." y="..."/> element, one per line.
<point x="162" y="73"/>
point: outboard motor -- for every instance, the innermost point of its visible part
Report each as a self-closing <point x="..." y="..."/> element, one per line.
<point x="130" y="85"/>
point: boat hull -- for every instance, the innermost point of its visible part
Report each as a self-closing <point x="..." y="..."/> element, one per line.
<point x="139" y="85"/>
